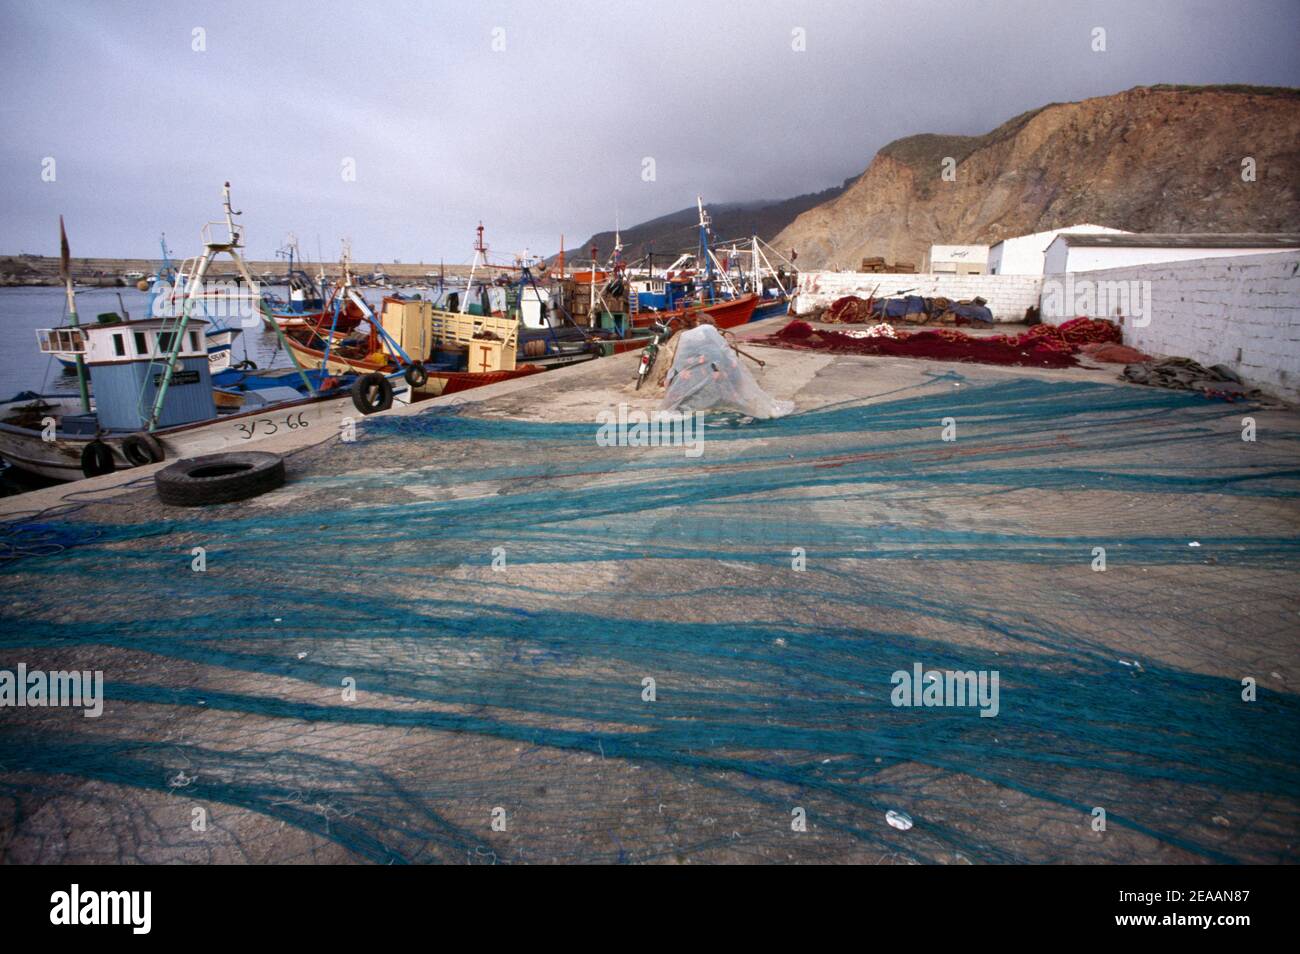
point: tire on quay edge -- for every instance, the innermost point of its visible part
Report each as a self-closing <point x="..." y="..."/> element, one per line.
<point x="219" y="478"/>
<point x="142" y="449"/>
<point x="372" y="393"/>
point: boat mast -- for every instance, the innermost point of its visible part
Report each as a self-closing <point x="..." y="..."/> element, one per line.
<point x="194" y="290"/>
<point x="704" y="257"/>
<point x="480" y="255"/>
<point x="65" y="268"/>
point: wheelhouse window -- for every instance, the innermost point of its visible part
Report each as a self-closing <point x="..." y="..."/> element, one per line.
<point x="61" y="340"/>
<point x="119" y="345"/>
<point x="141" y="343"/>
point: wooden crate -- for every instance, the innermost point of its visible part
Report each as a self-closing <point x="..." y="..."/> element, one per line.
<point x="489" y="356"/>
<point x="450" y="329"/>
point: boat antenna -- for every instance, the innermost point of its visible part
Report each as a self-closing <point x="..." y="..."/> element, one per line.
<point x="618" y="243"/>
<point x="231" y="214"/>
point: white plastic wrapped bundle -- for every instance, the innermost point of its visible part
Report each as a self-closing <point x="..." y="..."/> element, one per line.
<point x="707" y="375"/>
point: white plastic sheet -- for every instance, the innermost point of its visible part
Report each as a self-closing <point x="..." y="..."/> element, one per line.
<point x="707" y="375"/>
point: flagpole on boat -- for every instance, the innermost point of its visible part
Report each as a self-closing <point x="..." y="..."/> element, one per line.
<point x="65" y="272"/>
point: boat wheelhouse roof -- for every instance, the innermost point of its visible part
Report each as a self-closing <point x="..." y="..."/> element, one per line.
<point x="135" y="324"/>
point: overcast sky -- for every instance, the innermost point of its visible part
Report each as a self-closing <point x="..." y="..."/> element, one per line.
<point x="545" y="135"/>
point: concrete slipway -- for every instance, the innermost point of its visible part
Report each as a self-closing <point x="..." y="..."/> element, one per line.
<point x="501" y="714"/>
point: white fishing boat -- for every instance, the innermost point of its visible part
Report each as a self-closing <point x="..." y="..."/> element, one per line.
<point x="154" y="391"/>
<point x="167" y="297"/>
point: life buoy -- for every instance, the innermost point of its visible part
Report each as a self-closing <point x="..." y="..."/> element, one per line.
<point x="97" y="459"/>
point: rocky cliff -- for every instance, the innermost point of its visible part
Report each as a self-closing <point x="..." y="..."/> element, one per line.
<point x="1149" y="159"/>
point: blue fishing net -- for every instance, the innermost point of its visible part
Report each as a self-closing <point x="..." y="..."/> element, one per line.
<point x="473" y="638"/>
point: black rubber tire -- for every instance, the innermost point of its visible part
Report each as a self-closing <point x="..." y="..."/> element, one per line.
<point x="246" y="366"/>
<point x="219" y="478"/>
<point x="142" y="449"/>
<point x="415" y="375"/>
<point x="372" y="393"/>
<point x="97" y="459"/>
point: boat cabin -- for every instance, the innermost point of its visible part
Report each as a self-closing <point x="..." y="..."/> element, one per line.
<point x="129" y="359"/>
<point x="662" y="294"/>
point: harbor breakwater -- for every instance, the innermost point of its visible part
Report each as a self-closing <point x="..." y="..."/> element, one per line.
<point x="29" y="270"/>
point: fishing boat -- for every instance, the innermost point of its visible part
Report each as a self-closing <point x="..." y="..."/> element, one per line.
<point x="550" y="334"/>
<point x="155" y="396"/>
<point x="686" y="295"/>
<point x="309" y="300"/>
<point x="437" y="352"/>
<point x="572" y="319"/>
<point x="343" y="358"/>
<point x="682" y="303"/>
<point x="167" y="297"/>
<point x="773" y="285"/>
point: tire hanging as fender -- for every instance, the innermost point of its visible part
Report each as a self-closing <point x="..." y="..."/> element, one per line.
<point x="415" y="375"/>
<point x="142" y="449"/>
<point x="97" y="459"/>
<point x="372" y="393"/>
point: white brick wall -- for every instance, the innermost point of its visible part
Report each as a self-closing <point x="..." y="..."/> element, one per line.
<point x="1007" y="295"/>
<point x="1242" y="312"/>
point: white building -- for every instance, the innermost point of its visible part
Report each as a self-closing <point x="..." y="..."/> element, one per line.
<point x="1023" y="254"/>
<point x="1086" y="252"/>
<point x="958" y="259"/>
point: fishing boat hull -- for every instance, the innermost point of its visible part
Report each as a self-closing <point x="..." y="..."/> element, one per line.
<point x="452" y="382"/>
<point x="771" y="308"/>
<point x="220" y="343"/>
<point x="320" y="316"/>
<point x="731" y="313"/>
<point x="314" y="319"/>
<point x="23" y="446"/>
<point x="309" y="356"/>
<point x="440" y="382"/>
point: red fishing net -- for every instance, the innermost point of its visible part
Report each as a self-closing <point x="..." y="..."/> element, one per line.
<point x="1042" y="346"/>
<point x="848" y="310"/>
<point x="1113" y="353"/>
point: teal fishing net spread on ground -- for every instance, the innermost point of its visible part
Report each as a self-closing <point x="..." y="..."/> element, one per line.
<point x="499" y="593"/>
